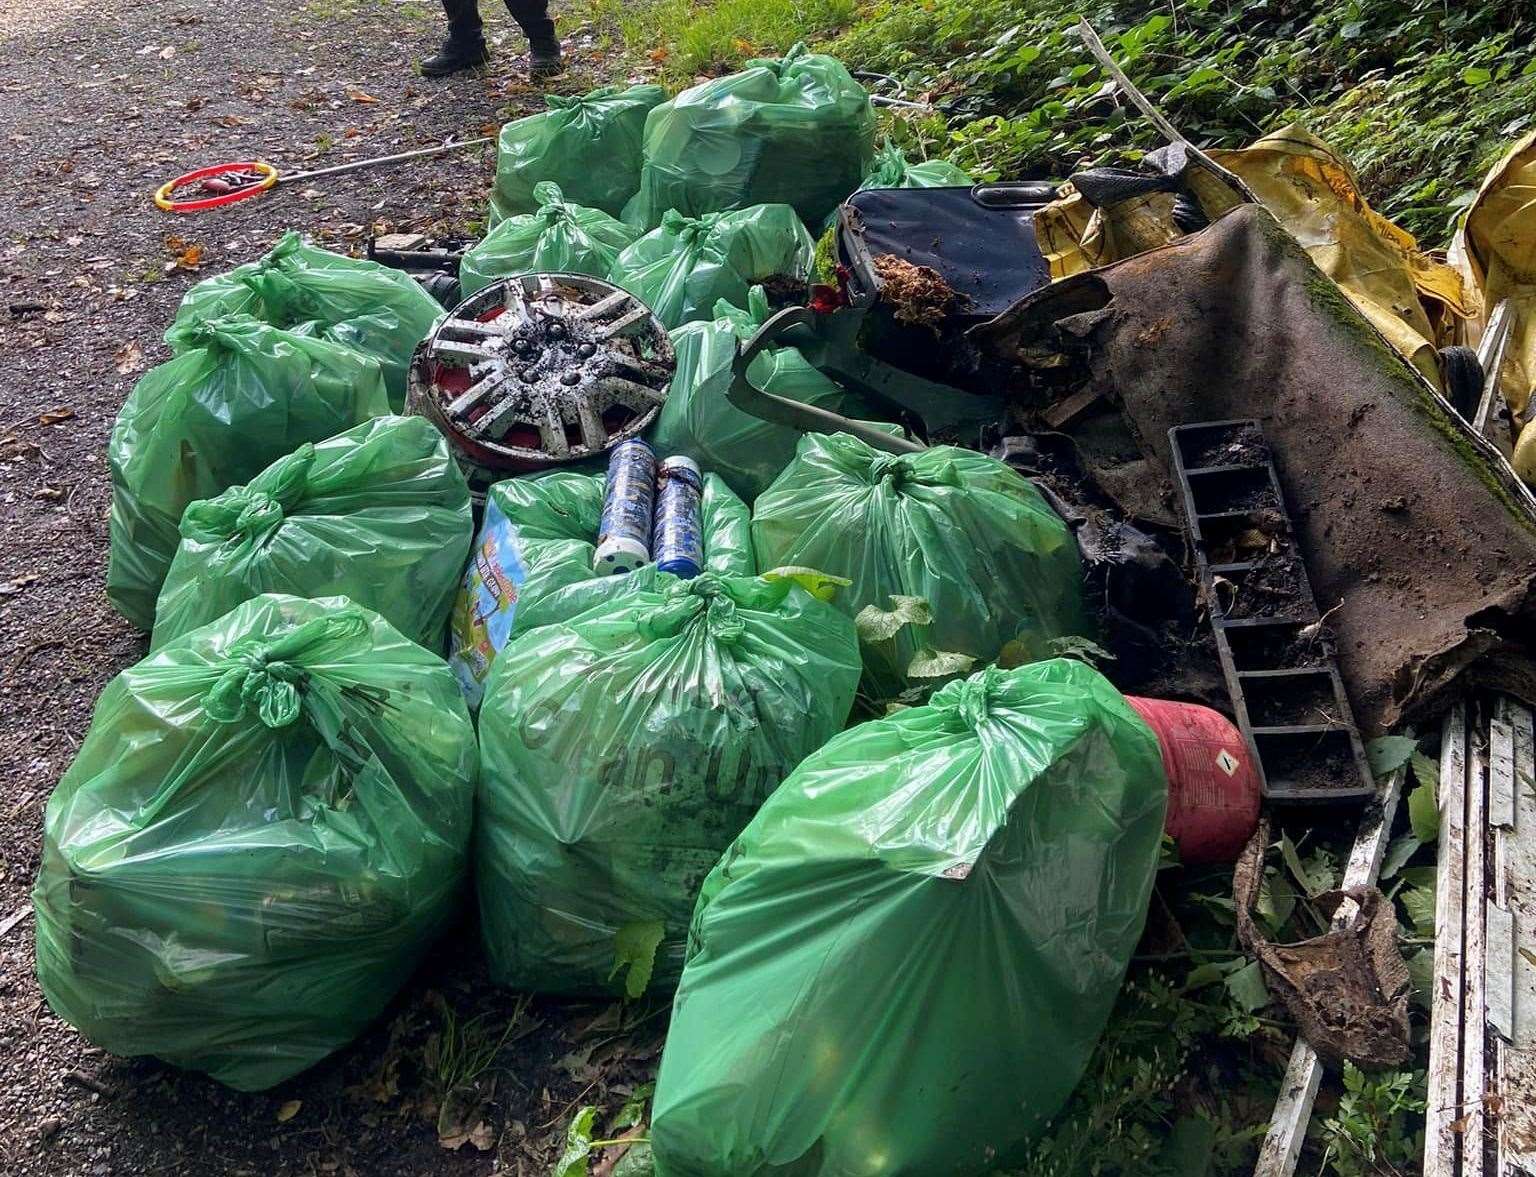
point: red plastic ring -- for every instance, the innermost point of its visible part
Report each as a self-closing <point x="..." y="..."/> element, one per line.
<point x="164" y="201"/>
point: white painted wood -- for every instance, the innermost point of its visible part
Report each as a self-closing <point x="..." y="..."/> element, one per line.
<point x="1293" y="1112"/>
<point x="1474" y="1056"/>
<point x="1500" y="969"/>
<point x="1442" y="1143"/>
<point x="1303" y="1074"/>
<point x="1501" y="773"/>
<point x="1515" y="1060"/>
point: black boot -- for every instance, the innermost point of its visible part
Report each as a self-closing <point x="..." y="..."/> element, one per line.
<point x="455" y="56"/>
<point x="544" y="57"/>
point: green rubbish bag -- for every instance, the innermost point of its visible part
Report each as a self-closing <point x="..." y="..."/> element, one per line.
<point x="622" y="750"/>
<point x="240" y="395"/>
<point x="532" y="563"/>
<point x="902" y="964"/>
<point x="682" y="269"/>
<point x="265" y="829"/>
<point x="559" y="237"/>
<point x="997" y="567"/>
<point x="699" y="420"/>
<point x="793" y="130"/>
<point x="379" y="514"/>
<point x="892" y="169"/>
<point x="381" y="312"/>
<point x="588" y="144"/>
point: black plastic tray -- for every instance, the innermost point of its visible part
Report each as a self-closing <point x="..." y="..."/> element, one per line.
<point x="1286" y="691"/>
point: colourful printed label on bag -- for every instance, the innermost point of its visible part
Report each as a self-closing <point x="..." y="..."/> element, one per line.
<point x="487" y="602"/>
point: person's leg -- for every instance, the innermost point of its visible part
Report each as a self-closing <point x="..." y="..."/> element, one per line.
<point x="532" y="16"/>
<point x="465" y="45"/>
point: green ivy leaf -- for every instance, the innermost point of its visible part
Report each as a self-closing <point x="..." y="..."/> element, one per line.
<point x="1419" y="903"/>
<point x="1314" y="876"/>
<point x="1423" y="814"/>
<point x="1386" y="753"/>
<point x="578" y="1145"/>
<point x="821" y="585"/>
<point x="633" y="1110"/>
<point x="1421" y="972"/>
<point x="1211" y="971"/>
<point x="1424" y="801"/>
<point x="928" y="663"/>
<point x="1476" y="75"/>
<point x="1398" y="854"/>
<point x="1247" y="988"/>
<point x="879" y="625"/>
<point x="634" y="945"/>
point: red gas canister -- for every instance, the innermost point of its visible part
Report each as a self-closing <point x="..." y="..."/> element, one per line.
<point x="1213" y="783"/>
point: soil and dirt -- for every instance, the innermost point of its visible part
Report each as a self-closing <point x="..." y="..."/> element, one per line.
<point x="100" y="103"/>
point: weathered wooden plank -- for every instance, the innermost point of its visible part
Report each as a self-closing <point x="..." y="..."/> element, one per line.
<point x="1304" y="1072"/>
<point x="1474" y="1034"/>
<point x="1442" y="1143"/>
<point x="1515" y="1059"/>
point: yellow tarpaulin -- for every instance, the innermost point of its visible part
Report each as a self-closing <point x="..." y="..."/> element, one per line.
<point x="1496" y="248"/>
<point x="1414" y="300"/>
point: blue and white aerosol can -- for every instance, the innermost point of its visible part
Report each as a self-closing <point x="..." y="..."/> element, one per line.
<point x="629" y="501"/>
<point x="678" y="540"/>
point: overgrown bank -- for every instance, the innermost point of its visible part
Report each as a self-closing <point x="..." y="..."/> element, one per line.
<point x="1419" y="95"/>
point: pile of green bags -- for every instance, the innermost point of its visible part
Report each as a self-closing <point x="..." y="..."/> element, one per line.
<point x="683" y="268"/>
<point x="698" y="419"/>
<point x="381" y="312"/>
<point x="264" y="830"/>
<point x="997" y="567"/>
<point x="239" y="395"/>
<point x="622" y="750"/>
<point x="903" y="963"/>
<point x="379" y="514"/>
<point x="558" y="237"/>
<point x="794" y="130"/>
<point x="892" y="169"/>
<point x="532" y="563"/>
<point x="589" y="145"/>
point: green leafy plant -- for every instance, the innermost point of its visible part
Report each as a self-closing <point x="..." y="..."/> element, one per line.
<point x="634" y="950"/>
<point x="581" y="1143"/>
<point x="1376" y="1131"/>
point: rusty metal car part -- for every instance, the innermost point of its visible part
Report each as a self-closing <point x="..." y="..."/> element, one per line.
<point x="541" y="370"/>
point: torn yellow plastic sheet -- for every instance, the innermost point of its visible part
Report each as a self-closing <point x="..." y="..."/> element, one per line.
<point x="1496" y="251"/>
<point x="1410" y="297"/>
<point x="1414" y="300"/>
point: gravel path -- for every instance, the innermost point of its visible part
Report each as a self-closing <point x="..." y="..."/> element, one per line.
<point x="100" y="101"/>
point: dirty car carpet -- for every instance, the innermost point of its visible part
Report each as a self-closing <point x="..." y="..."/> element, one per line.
<point x="1428" y="544"/>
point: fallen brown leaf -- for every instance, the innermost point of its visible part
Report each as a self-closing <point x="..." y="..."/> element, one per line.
<point x="289" y="1110"/>
<point x="11" y="587"/>
<point x="56" y="416"/>
<point x="129" y="357"/>
<point x="360" y="95"/>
